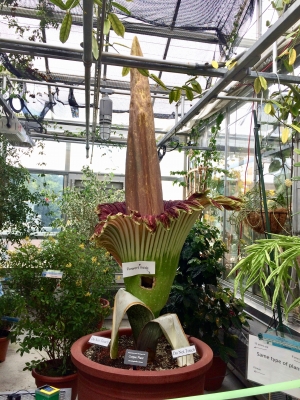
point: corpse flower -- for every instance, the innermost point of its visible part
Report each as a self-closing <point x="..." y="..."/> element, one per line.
<point x="146" y="228"/>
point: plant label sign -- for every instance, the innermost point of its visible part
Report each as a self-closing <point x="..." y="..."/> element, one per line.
<point x="99" y="340"/>
<point x="52" y="273"/>
<point x="135" y="357"/>
<point x="183" y="351"/>
<point x="138" y="268"/>
<point x="269" y="364"/>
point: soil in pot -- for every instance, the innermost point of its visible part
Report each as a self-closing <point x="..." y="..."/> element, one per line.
<point x="100" y="382"/>
<point x="60" y="382"/>
<point x="163" y="359"/>
<point x="4" y="342"/>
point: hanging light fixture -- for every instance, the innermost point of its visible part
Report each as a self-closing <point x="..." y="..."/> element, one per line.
<point x="105" y="116"/>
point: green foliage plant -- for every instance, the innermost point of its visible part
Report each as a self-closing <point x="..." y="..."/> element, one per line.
<point x="17" y="218"/>
<point x="10" y="308"/>
<point x="268" y="263"/>
<point x="201" y="256"/>
<point x="205" y="309"/>
<point x="207" y="162"/>
<point x="78" y="205"/>
<point x="59" y="311"/>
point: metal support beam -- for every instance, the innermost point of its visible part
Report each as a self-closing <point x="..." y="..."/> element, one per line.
<point x="87" y="61"/>
<point x="108" y="84"/>
<point x="290" y="17"/>
<point x="60" y="52"/>
<point x="274" y="78"/>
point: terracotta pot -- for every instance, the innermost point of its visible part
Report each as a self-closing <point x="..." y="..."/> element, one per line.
<point x="100" y="382"/>
<point x="257" y="220"/>
<point x="215" y="376"/>
<point x="60" y="382"/>
<point x="4" y="342"/>
<point x="104" y="304"/>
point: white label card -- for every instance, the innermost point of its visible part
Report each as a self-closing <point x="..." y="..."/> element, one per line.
<point x="99" y="340"/>
<point x="269" y="364"/>
<point x="138" y="268"/>
<point x="52" y="273"/>
<point x="183" y="351"/>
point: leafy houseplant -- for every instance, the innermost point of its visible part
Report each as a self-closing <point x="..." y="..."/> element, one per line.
<point x="204" y="165"/>
<point x="78" y="205"/>
<point x="17" y="220"/>
<point x="273" y="265"/>
<point x="205" y="309"/>
<point x="58" y="311"/>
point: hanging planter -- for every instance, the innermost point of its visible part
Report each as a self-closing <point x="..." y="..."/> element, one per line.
<point x="257" y="220"/>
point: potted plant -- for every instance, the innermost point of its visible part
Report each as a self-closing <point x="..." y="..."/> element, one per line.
<point x="10" y="308"/>
<point x="205" y="309"/>
<point x="251" y="211"/>
<point x="145" y="228"/>
<point x="62" y="304"/>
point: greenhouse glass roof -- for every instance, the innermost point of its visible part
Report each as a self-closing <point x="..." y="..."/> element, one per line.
<point x="179" y="39"/>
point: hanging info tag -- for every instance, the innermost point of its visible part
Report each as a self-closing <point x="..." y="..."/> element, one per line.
<point x="138" y="268"/>
<point x="52" y="273"/>
<point x="99" y="340"/>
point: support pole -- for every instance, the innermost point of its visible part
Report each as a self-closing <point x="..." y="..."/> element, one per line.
<point x="265" y="206"/>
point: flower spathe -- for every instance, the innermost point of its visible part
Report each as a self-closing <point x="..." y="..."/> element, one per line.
<point x="132" y="237"/>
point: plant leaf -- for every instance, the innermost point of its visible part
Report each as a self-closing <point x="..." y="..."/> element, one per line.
<point x="98" y="2"/>
<point x="177" y="94"/>
<point x="285" y="134"/>
<point x="172" y="329"/>
<point x="196" y="86"/>
<point x="189" y="93"/>
<point x="263" y="82"/>
<point x="268" y="108"/>
<point x="123" y="301"/>
<point x="292" y="56"/>
<point x="171" y="96"/>
<point x="295" y="127"/>
<point x="106" y="27"/>
<point x="65" y="28"/>
<point x="116" y="24"/>
<point x="60" y="4"/>
<point x="120" y="7"/>
<point x="214" y="64"/>
<point x="125" y="71"/>
<point x="144" y="72"/>
<point x="257" y="85"/>
<point x="72" y="3"/>
<point x="95" y="48"/>
<point x="157" y="80"/>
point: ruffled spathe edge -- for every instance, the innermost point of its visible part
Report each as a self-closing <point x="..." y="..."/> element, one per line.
<point x="172" y="208"/>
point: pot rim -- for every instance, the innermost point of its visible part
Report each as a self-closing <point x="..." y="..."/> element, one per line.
<point x="85" y="365"/>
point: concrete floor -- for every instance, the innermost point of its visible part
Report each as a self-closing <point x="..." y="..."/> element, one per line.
<point x="13" y="378"/>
